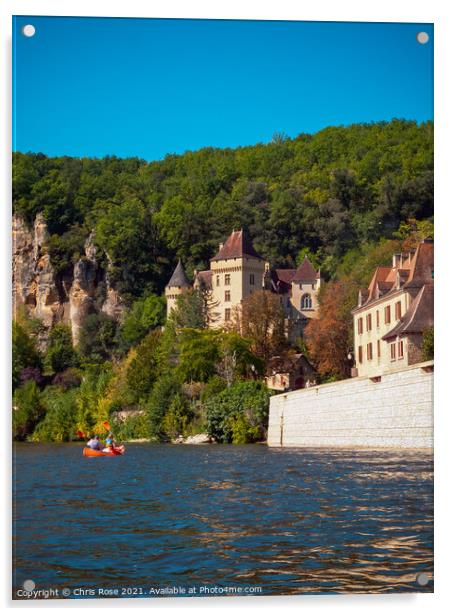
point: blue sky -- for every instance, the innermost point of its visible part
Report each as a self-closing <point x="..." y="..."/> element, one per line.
<point x="148" y="87"/>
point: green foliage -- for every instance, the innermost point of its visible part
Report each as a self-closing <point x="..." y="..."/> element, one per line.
<point x="90" y="411"/>
<point x="60" y="353"/>
<point x="136" y="427"/>
<point x="166" y="388"/>
<point x="428" y="345"/>
<point x="239" y="413"/>
<point x="27" y="410"/>
<point x="190" y="310"/>
<point x="199" y="354"/>
<point x="144" y="367"/>
<point x="177" y="417"/>
<point x="59" y="423"/>
<point x="146" y="314"/>
<point x="97" y="338"/>
<point x="24" y="352"/>
<point x="214" y="386"/>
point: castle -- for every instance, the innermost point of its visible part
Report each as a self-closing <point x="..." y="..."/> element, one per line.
<point x="236" y="271"/>
<point x="394" y="312"/>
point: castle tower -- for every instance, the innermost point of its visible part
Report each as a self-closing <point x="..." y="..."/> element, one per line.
<point x="236" y="271"/>
<point x="305" y="288"/>
<point x="177" y="285"/>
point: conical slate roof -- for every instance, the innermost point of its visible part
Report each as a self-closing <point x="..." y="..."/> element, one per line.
<point x="305" y="272"/>
<point x="178" y="279"/>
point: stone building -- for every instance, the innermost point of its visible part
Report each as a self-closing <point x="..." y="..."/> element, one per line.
<point x="394" y="312"/>
<point x="299" y="290"/>
<point x="289" y="371"/>
<point x="236" y="271"/>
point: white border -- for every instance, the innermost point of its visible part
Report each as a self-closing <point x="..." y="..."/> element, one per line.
<point x="436" y="11"/>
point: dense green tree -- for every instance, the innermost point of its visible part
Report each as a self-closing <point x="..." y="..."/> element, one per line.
<point x="143" y="370"/>
<point x="97" y="338"/>
<point x="199" y="354"/>
<point x="166" y="388"/>
<point x="146" y="314"/>
<point x="60" y="420"/>
<point x="60" y="353"/>
<point x="24" y="352"/>
<point x="323" y="192"/>
<point x="28" y="409"/>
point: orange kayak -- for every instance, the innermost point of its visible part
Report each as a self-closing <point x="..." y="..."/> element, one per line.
<point x="96" y="453"/>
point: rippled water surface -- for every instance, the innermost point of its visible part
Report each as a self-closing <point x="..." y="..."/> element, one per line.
<point x="288" y="520"/>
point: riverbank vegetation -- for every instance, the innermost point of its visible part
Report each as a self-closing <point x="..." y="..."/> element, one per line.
<point x="348" y="197"/>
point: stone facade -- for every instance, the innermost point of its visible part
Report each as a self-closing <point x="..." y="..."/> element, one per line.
<point x="236" y="271"/>
<point x="394" y="312"/>
<point x="393" y="410"/>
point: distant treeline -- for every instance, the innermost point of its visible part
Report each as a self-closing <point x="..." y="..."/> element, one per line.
<point x="325" y="193"/>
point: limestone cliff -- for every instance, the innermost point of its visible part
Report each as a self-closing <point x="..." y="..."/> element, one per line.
<point x="52" y="298"/>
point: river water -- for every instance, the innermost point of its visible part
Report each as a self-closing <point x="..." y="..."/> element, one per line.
<point x="169" y="518"/>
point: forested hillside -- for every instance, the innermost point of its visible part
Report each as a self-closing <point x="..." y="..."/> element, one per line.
<point x="327" y="193"/>
<point x="347" y="196"/>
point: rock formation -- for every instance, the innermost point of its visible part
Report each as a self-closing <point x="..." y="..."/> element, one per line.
<point x="58" y="299"/>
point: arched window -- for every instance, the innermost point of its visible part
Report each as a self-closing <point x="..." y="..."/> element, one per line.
<point x="306" y="302"/>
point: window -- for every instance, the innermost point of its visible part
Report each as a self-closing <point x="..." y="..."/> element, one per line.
<point x="360" y="354"/>
<point x="360" y="325"/>
<point x="306" y="302"/>
<point x="369" y="351"/>
<point x="378" y="318"/>
<point x="227" y="296"/>
<point x="393" y="351"/>
<point x="218" y="281"/>
<point x="227" y="314"/>
<point x="368" y="322"/>
<point x="400" y="349"/>
<point x="398" y="310"/>
<point x="251" y="278"/>
<point x="378" y="349"/>
<point x="227" y="279"/>
<point x="387" y="314"/>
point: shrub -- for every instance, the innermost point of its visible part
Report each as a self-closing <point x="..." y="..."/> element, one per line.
<point x="27" y="409"/>
<point x="68" y="379"/>
<point x="166" y="388"/>
<point x="60" y="421"/>
<point x="238" y="414"/>
<point x="177" y="417"/>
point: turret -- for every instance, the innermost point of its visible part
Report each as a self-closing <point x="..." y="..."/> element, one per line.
<point x="177" y="285"/>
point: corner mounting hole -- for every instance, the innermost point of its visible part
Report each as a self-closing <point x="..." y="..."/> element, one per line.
<point x="422" y="37"/>
<point x="28" y="30"/>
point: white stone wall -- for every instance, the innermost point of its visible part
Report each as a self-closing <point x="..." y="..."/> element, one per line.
<point x="394" y="412"/>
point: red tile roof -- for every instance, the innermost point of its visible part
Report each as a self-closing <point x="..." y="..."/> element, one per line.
<point x="410" y="272"/>
<point x="236" y="246"/>
<point x="305" y="272"/>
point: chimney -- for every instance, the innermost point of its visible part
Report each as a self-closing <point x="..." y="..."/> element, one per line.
<point x="220" y="245"/>
<point x="395" y="260"/>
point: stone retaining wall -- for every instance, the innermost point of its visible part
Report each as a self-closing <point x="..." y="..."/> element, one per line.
<point x="396" y="411"/>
